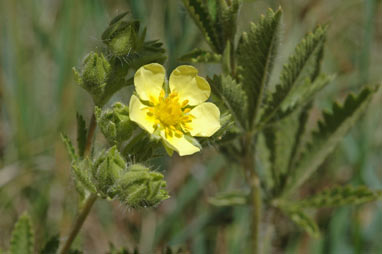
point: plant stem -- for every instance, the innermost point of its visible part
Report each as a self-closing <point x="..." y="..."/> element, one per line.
<point x="89" y="201"/>
<point x="254" y="183"/>
<point x="79" y="222"/>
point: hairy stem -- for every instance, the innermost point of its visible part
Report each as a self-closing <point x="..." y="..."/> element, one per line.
<point x="89" y="201"/>
<point x="255" y="198"/>
<point x="78" y="223"/>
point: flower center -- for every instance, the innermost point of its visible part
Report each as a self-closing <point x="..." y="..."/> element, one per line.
<point x="171" y="115"/>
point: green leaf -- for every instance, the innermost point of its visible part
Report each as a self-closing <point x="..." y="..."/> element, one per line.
<point x="226" y="18"/>
<point x="330" y="131"/>
<point x="256" y="52"/>
<point x="82" y="174"/>
<point x="233" y="96"/>
<point x="69" y="147"/>
<point x="81" y="134"/>
<point x="303" y="221"/>
<point x="201" y="56"/>
<point x="302" y="69"/>
<point x="22" y="237"/>
<point x="51" y="247"/>
<point x="341" y="195"/>
<point x="233" y="198"/>
<point x="199" y="12"/>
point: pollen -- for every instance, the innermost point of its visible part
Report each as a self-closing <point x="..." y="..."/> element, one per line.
<point x="170" y="114"/>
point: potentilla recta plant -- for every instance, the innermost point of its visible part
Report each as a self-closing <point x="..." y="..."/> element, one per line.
<point x="179" y="113"/>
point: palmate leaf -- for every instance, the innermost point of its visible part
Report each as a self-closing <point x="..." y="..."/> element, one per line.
<point x="22" y="241"/>
<point x="341" y="195"/>
<point x="256" y="53"/>
<point x="302" y="69"/>
<point x="331" y="130"/>
<point x="233" y="96"/>
<point x="201" y="56"/>
<point x="302" y="220"/>
<point x="199" y="12"/>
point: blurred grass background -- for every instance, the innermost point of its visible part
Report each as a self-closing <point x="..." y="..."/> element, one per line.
<point x="41" y="40"/>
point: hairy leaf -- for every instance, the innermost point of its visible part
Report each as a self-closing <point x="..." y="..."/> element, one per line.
<point x="201" y="56"/>
<point x="81" y="134"/>
<point x="303" y="221"/>
<point x="233" y="96"/>
<point x="22" y="237"/>
<point x="82" y="175"/>
<point x="69" y="147"/>
<point x="341" y="195"/>
<point x="199" y="12"/>
<point x="256" y="52"/>
<point x="330" y="131"/>
<point x="233" y="198"/>
<point x="301" y="69"/>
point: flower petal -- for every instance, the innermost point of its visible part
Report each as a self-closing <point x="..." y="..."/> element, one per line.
<point x="185" y="81"/>
<point x="181" y="145"/>
<point x="206" y="121"/>
<point x="148" y="81"/>
<point x="138" y="114"/>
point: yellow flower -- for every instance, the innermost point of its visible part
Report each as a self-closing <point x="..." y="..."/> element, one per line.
<point x="178" y="115"/>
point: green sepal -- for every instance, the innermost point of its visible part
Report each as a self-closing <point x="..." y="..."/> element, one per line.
<point x="22" y="241"/>
<point x="106" y="170"/>
<point x="115" y="123"/>
<point x="141" y="187"/>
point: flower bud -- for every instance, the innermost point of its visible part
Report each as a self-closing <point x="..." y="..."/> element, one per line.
<point x="141" y="187"/>
<point x="107" y="169"/>
<point x="115" y="124"/>
<point x="121" y="35"/>
<point x="94" y="74"/>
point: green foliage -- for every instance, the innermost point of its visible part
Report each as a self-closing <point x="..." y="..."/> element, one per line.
<point x="95" y="72"/>
<point x="301" y="69"/>
<point x="233" y="97"/>
<point x="256" y="53"/>
<point x="341" y="195"/>
<point x="115" y="123"/>
<point x="330" y="131"/>
<point x="51" y="246"/>
<point x="233" y="198"/>
<point x="199" y="12"/>
<point x="81" y="134"/>
<point x="69" y="147"/>
<point x="302" y="220"/>
<point x="140" y="187"/>
<point x="22" y="241"/>
<point x="106" y="170"/>
<point x="201" y="56"/>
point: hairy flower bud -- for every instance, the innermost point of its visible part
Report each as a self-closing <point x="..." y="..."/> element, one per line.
<point x="121" y="35"/>
<point x="94" y="75"/>
<point x="107" y="169"/>
<point x="115" y="124"/>
<point x="141" y="187"/>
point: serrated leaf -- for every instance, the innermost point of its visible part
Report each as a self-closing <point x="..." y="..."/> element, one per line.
<point x="81" y="134"/>
<point x="82" y="174"/>
<point x="51" y="246"/>
<point x="341" y="195"/>
<point x="201" y="56"/>
<point x="226" y="19"/>
<point x="330" y="131"/>
<point x="303" y="221"/>
<point x="256" y="52"/>
<point x="199" y="12"/>
<point x="22" y="241"/>
<point x="233" y="96"/>
<point x="302" y="68"/>
<point x="69" y="147"/>
<point x="233" y="198"/>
